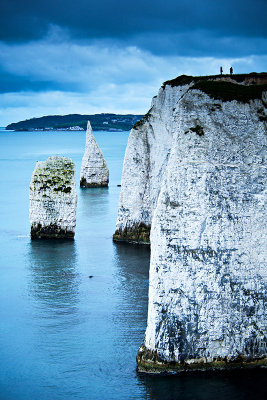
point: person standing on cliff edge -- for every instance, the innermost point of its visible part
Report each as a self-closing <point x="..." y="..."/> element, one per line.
<point x="221" y="70"/>
<point x="231" y="70"/>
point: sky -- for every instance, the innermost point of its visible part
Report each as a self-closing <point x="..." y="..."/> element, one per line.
<point x="87" y="57"/>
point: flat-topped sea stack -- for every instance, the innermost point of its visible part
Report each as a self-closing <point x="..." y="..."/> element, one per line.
<point x="195" y="172"/>
<point x="94" y="169"/>
<point x="53" y="199"/>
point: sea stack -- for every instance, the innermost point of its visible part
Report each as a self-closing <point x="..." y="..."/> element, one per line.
<point x="53" y="199"/>
<point x="195" y="172"/>
<point x="94" y="169"/>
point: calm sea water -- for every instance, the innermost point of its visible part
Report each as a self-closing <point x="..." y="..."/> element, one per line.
<point x="64" y="335"/>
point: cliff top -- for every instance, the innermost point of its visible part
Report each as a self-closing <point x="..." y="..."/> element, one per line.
<point x="254" y="78"/>
<point x="240" y="87"/>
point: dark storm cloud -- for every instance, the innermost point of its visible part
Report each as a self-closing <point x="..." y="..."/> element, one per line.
<point x="199" y="44"/>
<point x="62" y="56"/>
<point x="22" y="20"/>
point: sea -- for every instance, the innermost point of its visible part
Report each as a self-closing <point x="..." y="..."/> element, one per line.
<point x="73" y="313"/>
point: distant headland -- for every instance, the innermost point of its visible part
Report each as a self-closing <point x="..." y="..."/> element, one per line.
<point x="77" y="122"/>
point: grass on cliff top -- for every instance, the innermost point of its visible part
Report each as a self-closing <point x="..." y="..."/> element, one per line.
<point x="228" y="91"/>
<point x="239" y="78"/>
<point x="181" y="80"/>
<point x="223" y="90"/>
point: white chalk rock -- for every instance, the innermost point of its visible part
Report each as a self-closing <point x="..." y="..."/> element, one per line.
<point x="53" y="199"/>
<point x="94" y="169"/>
<point x="195" y="171"/>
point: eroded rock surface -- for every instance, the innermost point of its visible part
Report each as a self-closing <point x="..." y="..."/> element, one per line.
<point x="94" y="169"/>
<point x="53" y="199"/>
<point x="195" y="171"/>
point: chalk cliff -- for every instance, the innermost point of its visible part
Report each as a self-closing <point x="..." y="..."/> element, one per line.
<point x="94" y="169"/>
<point x="195" y="171"/>
<point x="53" y="199"/>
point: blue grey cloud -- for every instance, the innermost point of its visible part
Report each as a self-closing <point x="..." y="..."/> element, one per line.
<point x="111" y="56"/>
<point x="64" y="78"/>
<point x="22" y="20"/>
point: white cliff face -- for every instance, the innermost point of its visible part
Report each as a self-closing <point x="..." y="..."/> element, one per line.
<point x="204" y="193"/>
<point x="53" y="199"/>
<point x="94" y="170"/>
<point x="145" y="161"/>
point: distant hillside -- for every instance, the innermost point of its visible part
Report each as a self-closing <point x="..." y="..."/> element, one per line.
<point x="107" y="122"/>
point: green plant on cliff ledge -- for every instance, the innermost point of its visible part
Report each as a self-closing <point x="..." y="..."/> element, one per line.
<point x="262" y="115"/>
<point x="143" y="120"/>
<point x="217" y="86"/>
<point x="198" y="129"/>
<point x="227" y="91"/>
<point x="55" y="174"/>
<point x="139" y="233"/>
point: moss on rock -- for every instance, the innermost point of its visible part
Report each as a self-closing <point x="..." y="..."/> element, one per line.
<point x="53" y="199"/>
<point x="142" y="121"/>
<point x="85" y="184"/>
<point x="198" y="130"/>
<point x="138" y="233"/>
<point x="55" y="174"/>
<point x="149" y="361"/>
<point x="51" y="231"/>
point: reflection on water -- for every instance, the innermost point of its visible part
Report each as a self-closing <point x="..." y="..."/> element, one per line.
<point x="132" y="285"/>
<point x="94" y="201"/>
<point x="219" y="385"/>
<point x="54" y="281"/>
<point x="63" y="335"/>
<point x="132" y="268"/>
<point x="94" y="204"/>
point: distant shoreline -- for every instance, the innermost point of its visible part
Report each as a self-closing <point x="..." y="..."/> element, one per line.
<point x="62" y="130"/>
<point x="77" y="122"/>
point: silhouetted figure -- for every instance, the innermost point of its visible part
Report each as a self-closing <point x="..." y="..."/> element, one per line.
<point x="221" y="70"/>
<point x="231" y="71"/>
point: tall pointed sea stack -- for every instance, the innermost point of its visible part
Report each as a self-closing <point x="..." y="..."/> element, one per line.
<point x="53" y="199"/>
<point x="94" y="169"/>
<point x="195" y="171"/>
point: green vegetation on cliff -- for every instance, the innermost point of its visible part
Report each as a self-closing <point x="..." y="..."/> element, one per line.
<point x="240" y="87"/>
<point x="55" y="174"/>
<point x="228" y="91"/>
